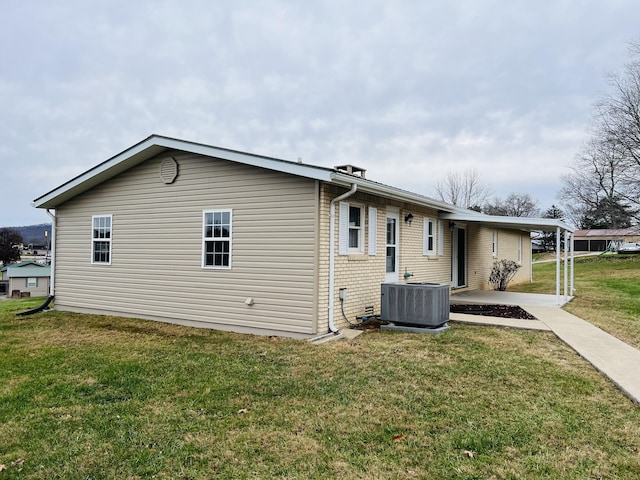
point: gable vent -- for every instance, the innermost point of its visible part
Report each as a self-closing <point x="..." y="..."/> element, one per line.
<point x="168" y="170"/>
<point x="351" y="170"/>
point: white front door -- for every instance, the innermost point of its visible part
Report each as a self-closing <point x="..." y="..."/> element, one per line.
<point x="392" y="246"/>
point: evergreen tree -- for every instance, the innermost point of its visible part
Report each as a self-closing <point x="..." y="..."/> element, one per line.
<point x="10" y="241"/>
<point x="548" y="238"/>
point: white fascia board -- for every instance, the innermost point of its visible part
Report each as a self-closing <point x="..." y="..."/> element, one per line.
<point x="98" y="174"/>
<point x="524" y="223"/>
<point x="284" y="166"/>
<point x="156" y="144"/>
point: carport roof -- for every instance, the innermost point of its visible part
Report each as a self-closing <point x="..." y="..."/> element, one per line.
<point x="519" y="223"/>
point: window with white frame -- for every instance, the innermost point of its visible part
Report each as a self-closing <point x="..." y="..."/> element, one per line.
<point x="101" y="239"/>
<point x="351" y="223"/>
<point x="494" y="243"/>
<point x="520" y="249"/>
<point x="355" y="229"/>
<point x="429" y="237"/>
<point x="216" y="239"/>
<point x="440" y="238"/>
<point x="32" y="282"/>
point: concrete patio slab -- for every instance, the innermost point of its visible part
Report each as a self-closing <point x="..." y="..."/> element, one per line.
<point x="483" y="297"/>
<point x="422" y="330"/>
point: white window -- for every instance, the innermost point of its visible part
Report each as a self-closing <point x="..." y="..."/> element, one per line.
<point x="216" y="239"/>
<point x="101" y="239"/>
<point x="355" y="229"/>
<point x="429" y="237"/>
<point x="520" y="249"/>
<point x="32" y="282"/>
<point x="494" y="243"/>
<point x="440" y="238"/>
<point x="351" y="229"/>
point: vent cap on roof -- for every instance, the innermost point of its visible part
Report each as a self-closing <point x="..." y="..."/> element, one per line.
<point x="352" y="170"/>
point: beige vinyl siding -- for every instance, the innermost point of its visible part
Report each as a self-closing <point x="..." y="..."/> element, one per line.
<point x="156" y="255"/>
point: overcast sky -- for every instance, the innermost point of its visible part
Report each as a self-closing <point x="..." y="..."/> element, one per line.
<point x="408" y="90"/>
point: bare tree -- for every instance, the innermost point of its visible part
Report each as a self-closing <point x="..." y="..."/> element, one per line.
<point x="515" y="205"/>
<point x="596" y="178"/>
<point x="463" y="189"/>
<point x="606" y="175"/>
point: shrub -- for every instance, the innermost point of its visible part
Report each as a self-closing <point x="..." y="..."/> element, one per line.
<point x="502" y="273"/>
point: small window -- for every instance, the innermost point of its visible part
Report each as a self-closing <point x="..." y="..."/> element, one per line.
<point x="101" y="239"/>
<point x="355" y="229"/>
<point x="351" y="229"/>
<point x="520" y="249"/>
<point x="216" y="242"/>
<point x="494" y="243"/>
<point x="429" y="246"/>
<point x="32" y="282"/>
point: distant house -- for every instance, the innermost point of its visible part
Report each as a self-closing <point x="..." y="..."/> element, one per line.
<point x="537" y="246"/>
<point x="26" y="277"/>
<point x="599" y="240"/>
<point x="198" y="235"/>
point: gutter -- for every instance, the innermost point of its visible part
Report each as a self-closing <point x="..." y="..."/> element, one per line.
<point x="332" y="253"/>
<point x="375" y="188"/>
<point x="53" y="252"/>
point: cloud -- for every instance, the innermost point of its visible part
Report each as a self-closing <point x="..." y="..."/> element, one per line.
<point x="407" y="90"/>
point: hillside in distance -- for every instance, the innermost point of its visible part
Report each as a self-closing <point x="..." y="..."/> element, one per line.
<point x="34" y="234"/>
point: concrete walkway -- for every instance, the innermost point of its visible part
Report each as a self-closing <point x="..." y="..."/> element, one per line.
<point x="614" y="358"/>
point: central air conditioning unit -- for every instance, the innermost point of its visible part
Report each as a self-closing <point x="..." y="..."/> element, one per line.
<point x="415" y="304"/>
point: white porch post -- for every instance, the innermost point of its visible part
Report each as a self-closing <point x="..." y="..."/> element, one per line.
<point x="558" y="265"/>
<point x="573" y="289"/>
<point x="566" y="262"/>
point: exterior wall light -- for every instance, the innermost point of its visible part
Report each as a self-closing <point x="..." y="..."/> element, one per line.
<point x="408" y="218"/>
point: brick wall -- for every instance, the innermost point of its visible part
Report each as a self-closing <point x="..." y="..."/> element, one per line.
<point x="480" y="247"/>
<point x="362" y="274"/>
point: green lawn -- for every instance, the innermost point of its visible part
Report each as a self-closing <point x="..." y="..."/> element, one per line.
<point x="96" y="397"/>
<point x="607" y="292"/>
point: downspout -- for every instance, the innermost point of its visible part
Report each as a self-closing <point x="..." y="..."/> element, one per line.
<point x="566" y="266"/>
<point x="53" y="253"/>
<point x="332" y="254"/>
